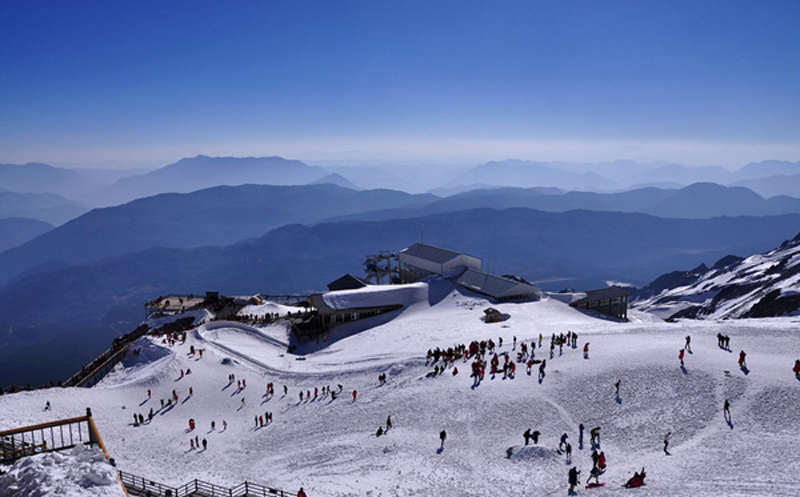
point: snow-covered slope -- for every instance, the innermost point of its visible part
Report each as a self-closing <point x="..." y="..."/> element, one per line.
<point x="761" y="285"/>
<point x="329" y="446"/>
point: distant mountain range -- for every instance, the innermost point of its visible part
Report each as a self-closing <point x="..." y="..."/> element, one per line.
<point x="762" y="285"/>
<point x="223" y="215"/>
<point x="48" y="207"/>
<point x="215" y="216"/>
<point x="196" y="173"/>
<point x="110" y="187"/>
<point x="579" y="249"/>
<point x="698" y="201"/>
<point x="767" y="178"/>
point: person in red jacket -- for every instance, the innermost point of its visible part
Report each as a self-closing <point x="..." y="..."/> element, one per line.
<point x="796" y="368"/>
<point x="301" y="493"/>
<point x="680" y="355"/>
<point x="742" y="356"/>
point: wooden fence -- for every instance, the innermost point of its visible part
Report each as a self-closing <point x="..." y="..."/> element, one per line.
<point x="138" y="485"/>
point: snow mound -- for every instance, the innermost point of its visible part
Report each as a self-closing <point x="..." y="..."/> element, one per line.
<point x="144" y="362"/>
<point x="82" y="471"/>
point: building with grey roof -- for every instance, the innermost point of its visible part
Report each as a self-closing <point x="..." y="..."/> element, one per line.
<point x="499" y="288"/>
<point x="420" y="260"/>
<point x="612" y="301"/>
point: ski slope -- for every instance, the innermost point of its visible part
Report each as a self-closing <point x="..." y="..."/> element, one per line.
<point x="329" y="447"/>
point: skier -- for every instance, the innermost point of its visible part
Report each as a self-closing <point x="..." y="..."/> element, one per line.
<point x="535" y="436"/>
<point x="301" y="493"/>
<point x="796" y="369"/>
<point x="379" y="432"/>
<point x="213" y="426"/>
<point x="47" y="406"/>
<point x="442" y="437"/>
<point x="541" y="368"/>
<point x="586" y="350"/>
<point x="573" y="479"/>
<point x="688" y="343"/>
<point x="742" y="362"/>
<point x="355" y="393"/>
<point x="680" y="355"/>
<point x="569" y="451"/>
<point x="580" y="435"/>
<point x="527" y="436"/>
<point x="616" y="386"/>
<point x="388" y="422"/>
<point x="224" y="425"/>
<point x="726" y="409"/>
<point x="205" y="444"/>
<point x="666" y="442"/>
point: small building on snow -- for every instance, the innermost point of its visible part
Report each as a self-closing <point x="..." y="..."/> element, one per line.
<point x="611" y="301"/>
<point x="420" y="260"/>
<point x="499" y="288"/>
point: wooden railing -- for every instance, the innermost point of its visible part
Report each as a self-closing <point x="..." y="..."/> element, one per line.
<point x="53" y="436"/>
<point x="138" y="485"/>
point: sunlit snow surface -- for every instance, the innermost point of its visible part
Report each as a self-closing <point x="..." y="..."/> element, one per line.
<point x="80" y="471"/>
<point x="329" y="446"/>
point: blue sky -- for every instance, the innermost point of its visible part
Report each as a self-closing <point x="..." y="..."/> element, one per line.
<point x="144" y="83"/>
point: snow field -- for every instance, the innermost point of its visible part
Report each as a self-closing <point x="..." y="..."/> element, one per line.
<point x="330" y="447"/>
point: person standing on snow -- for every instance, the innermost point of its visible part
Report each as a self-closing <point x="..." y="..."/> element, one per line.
<point x="742" y="362"/>
<point x="687" y="346"/>
<point x="574" y="473"/>
<point x="680" y="355"/>
<point x="442" y="437"/>
<point x="301" y="493"/>
<point x="527" y="436"/>
<point x="666" y="442"/>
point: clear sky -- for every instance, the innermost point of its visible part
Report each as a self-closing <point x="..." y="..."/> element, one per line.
<point x="146" y="83"/>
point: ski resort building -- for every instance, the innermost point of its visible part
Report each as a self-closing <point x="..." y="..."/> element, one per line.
<point x="499" y="288"/>
<point x="611" y="301"/>
<point x="420" y="260"/>
<point x="344" y="306"/>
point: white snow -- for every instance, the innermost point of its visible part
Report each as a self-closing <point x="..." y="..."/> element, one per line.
<point x="329" y="446"/>
<point x="80" y="471"/>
